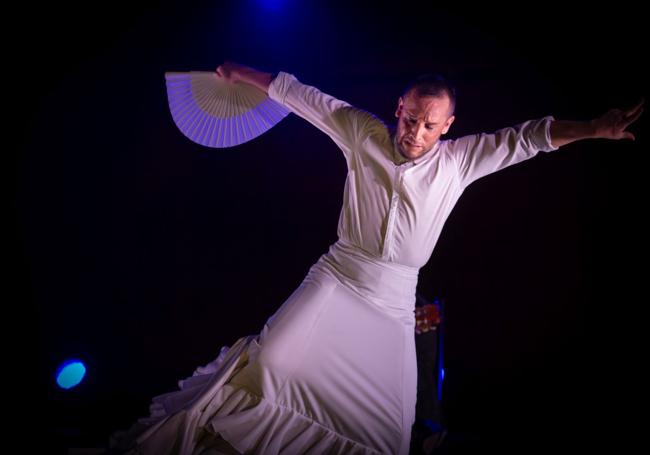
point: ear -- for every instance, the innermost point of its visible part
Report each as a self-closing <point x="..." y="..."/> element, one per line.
<point x="448" y="123"/>
<point x="400" y="103"/>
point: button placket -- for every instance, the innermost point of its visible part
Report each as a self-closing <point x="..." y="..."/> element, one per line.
<point x="392" y="213"/>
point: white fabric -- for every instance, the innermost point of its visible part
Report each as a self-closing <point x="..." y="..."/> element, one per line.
<point x="396" y="213"/>
<point x="334" y="369"/>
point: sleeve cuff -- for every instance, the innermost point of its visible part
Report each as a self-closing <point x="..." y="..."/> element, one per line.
<point x="546" y="145"/>
<point x="280" y="86"/>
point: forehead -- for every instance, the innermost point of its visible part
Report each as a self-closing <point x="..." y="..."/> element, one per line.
<point x="430" y="108"/>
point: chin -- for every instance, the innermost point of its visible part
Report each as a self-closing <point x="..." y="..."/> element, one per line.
<point x="406" y="153"/>
<point x="415" y="153"/>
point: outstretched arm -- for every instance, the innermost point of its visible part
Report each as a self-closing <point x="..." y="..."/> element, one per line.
<point x="345" y="124"/>
<point x="611" y="125"/>
<point x="235" y="72"/>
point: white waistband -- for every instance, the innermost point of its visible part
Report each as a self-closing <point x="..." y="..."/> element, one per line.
<point x="388" y="285"/>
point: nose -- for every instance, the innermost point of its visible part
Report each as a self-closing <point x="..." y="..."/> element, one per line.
<point x="417" y="131"/>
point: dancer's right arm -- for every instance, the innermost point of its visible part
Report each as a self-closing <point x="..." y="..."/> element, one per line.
<point x="235" y="72"/>
<point x="345" y="124"/>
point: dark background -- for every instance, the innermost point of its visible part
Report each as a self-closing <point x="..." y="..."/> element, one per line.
<point x="143" y="253"/>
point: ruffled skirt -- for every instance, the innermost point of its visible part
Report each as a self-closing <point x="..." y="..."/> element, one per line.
<point x="332" y="371"/>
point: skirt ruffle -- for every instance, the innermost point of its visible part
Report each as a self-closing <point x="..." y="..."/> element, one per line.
<point x="207" y="411"/>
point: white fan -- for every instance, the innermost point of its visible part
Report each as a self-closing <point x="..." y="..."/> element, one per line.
<point x="218" y="113"/>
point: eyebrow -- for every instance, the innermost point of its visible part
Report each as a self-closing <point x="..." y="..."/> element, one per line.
<point x="426" y="123"/>
<point x="410" y="114"/>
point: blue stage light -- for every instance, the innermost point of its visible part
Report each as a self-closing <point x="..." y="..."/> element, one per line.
<point x="273" y="5"/>
<point x="70" y="373"/>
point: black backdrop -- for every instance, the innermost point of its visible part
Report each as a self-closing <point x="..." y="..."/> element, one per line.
<point x="144" y="253"/>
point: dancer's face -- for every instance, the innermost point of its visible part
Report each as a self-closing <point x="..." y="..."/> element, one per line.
<point x="422" y="120"/>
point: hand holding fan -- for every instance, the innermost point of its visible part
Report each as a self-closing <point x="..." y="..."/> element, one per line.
<point x="218" y="113"/>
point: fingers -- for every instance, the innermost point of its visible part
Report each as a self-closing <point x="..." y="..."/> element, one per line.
<point x="226" y="70"/>
<point x="222" y="71"/>
<point x="633" y="117"/>
<point x="637" y="108"/>
<point x="628" y="135"/>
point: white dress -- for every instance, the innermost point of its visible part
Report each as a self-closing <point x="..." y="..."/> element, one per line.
<point x="334" y="368"/>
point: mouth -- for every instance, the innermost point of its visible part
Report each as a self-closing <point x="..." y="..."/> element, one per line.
<point x="411" y="143"/>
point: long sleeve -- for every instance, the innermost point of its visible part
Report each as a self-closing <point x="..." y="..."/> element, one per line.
<point x="482" y="154"/>
<point x="338" y="119"/>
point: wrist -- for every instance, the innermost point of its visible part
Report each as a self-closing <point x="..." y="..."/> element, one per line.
<point x="594" y="129"/>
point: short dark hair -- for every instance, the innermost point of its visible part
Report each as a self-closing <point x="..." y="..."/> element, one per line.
<point x="433" y="85"/>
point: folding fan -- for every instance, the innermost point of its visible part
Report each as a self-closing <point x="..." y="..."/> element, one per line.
<point x="218" y="113"/>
